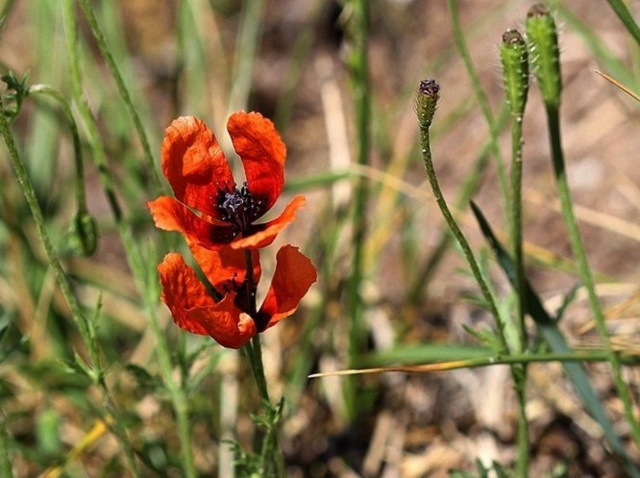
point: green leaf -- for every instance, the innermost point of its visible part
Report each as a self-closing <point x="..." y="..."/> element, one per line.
<point x="423" y="353"/>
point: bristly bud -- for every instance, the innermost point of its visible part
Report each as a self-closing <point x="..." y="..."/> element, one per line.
<point x="542" y="37"/>
<point x="426" y="101"/>
<point x="515" y="66"/>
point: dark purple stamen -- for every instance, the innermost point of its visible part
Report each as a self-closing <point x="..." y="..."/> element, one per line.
<point x="239" y="207"/>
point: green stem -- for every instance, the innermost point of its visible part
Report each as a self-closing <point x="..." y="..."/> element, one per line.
<point x="516" y="225"/>
<point x="520" y="374"/>
<point x="134" y="256"/>
<point x="425" y="141"/>
<point x="124" y="93"/>
<point x="270" y="445"/>
<point x="467" y="190"/>
<point x="85" y="328"/>
<point x="564" y="193"/>
<point x="483" y="101"/>
<point x="359" y="70"/>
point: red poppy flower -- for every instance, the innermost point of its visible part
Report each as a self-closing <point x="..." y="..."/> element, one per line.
<point x="229" y="320"/>
<point x="209" y="208"/>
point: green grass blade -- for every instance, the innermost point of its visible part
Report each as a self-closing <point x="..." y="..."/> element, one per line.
<point x="423" y="353"/>
<point x="246" y="50"/>
<point x="626" y="18"/>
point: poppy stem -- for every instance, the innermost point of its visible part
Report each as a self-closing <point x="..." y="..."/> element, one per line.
<point x="270" y="443"/>
<point x="251" y="286"/>
<point x="254" y="350"/>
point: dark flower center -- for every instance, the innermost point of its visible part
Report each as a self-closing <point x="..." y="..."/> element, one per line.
<point x="238" y="207"/>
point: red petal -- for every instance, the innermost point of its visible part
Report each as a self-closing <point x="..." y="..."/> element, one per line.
<point x="172" y="215"/>
<point x="225" y="323"/>
<point x="292" y="278"/>
<point x="183" y="291"/>
<point x="194" y="310"/>
<point x="267" y="232"/>
<point x="262" y="152"/>
<point x="220" y="266"/>
<point x="194" y="164"/>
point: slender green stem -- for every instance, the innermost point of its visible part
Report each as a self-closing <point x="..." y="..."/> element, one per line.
<point x="516" y="224"/>
<point x="359" y="69"/>
<point x="483" y="101"/>
<point x="425" y="141"/>
<point x="124" y="93"/>
<point x="85" y="327"/>
<point x="255" y="351"/>
<point x="271" y="442"/>
<point x="520" y="375"/>
<point x="270" y="445"/>
<point x="467" y="190"/>
<point x="564" y="193"/>
<point x="134" y="255"/>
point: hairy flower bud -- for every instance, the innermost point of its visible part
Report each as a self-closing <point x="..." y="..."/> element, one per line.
<point x="515" y="66"/>
<point x="426" y="102"/>
<point x="544" y="53"/>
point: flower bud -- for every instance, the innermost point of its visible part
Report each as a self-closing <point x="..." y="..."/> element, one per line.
<point x="515" y="66"/>
<point x="426" y="101"/>
<point x="544" y="53"/>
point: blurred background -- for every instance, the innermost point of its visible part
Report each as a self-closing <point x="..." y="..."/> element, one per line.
<point x="289" y="60"/>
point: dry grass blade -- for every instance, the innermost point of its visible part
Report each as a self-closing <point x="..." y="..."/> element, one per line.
<point x="615" y="82"/>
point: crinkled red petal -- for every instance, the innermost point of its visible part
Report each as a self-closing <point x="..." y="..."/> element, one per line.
<point x="183" y="291"/>
<point x="224" y="265"/>
<point x="193" y="309"/>
<point x="194" y="164"/>
<point x="171" y="215"/>
<point x="225" y="323"/>
<point x="261" y="235"/>
<point x="292" y="278"/>
<point x="262" y="152"/>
